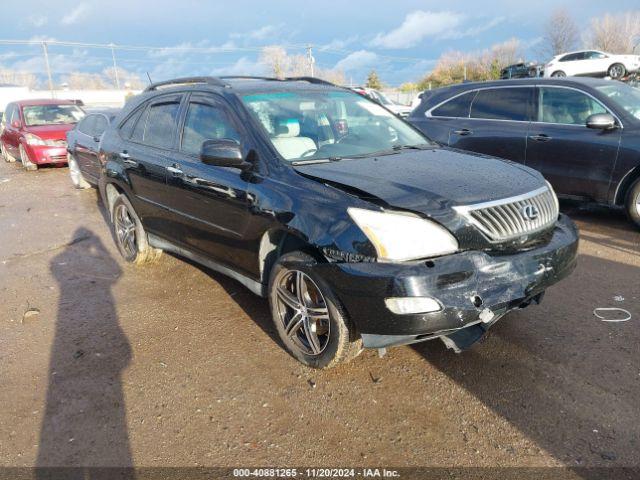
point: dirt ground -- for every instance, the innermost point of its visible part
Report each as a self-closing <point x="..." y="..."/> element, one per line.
<point x="174" y="365"/>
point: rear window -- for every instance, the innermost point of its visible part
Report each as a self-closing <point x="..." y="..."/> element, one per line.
<point x="502" y="104"/>
<point x="456" y="107"/>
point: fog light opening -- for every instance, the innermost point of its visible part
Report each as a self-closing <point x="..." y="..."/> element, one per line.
<point x="412" y="305"/>
<point x="430" y="264"/>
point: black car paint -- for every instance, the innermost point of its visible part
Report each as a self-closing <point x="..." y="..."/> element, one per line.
<point x="586" y="164"/>
<point x="238" y="221"/>
<point x="85" y="148"/>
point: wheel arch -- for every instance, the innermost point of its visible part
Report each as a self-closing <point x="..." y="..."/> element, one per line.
<point x="277" y="242"/>
<point x="625" y="184"/>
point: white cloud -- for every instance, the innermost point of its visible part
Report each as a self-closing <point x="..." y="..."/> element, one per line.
<point x="416" y="26"/>
<point x="475" y="30"/>
<point x="38" y="20"/>
<point x="75" y="15"/>
<point x="339" y="43"/>
<point x="243" y="66"/>
<point x="262" y="33"/>
<point x="356" y="60"/>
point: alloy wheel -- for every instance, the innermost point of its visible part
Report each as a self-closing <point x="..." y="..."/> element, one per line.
<point x="616" y="71"/>
<point x="303" y="311"/>
<point x="125" y="230"/>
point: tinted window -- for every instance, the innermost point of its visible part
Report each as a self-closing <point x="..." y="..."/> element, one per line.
<point x="205" y="122"/>
<point x="126" y="130"/>
<point x="161" y="125"/>
<point x="456" y="107"/>
<point x="594" y="55"/>
<point x="138" y="131"/>
<point x="87" y="124"/>
<point x="573" y="56"/>
<point x="566" y="106"/>
<point x="100" y="125"/>
<point x="501" y="104"/>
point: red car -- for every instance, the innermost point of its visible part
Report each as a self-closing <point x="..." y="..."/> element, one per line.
<point x="34" y="131"/>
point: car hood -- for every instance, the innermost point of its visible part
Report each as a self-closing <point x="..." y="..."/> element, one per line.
<point x="430" y="181"/>
<point x="50" y="132"/>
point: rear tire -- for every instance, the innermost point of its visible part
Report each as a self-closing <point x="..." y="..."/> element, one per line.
<point x="633" y="203"/>
<point x="616" y="71"/>
<point x="309" y="319"/>
<point x="76" y="174"/>
<point x="130" y="236"/>
<point x="24" y="159"/>
<point x="5" y="155"/>
<point x="558" y="74"/>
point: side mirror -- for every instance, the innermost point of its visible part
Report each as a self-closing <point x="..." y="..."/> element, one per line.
<point x="601" y="121"/>
<point x="222" y="153"/>
<point x="15" y="124"/>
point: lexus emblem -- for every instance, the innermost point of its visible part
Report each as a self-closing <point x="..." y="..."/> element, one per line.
<point x="529" y="212"/>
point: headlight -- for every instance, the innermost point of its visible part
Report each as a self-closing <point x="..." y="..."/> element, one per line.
<point x="398" y="236"/>
<point x="33" y="139"/>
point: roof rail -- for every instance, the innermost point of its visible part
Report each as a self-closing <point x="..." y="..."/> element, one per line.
<point x="186" y="81"/>
<point x="275" y="79"/>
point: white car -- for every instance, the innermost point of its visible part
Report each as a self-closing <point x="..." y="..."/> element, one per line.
<point x="377" y="96"/>
<point x="592" y="63"/>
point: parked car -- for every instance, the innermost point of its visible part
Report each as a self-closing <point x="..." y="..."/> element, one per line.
<point x="592" y="63"/>
<point x="521" y="70"/>
<point x="379" y="97"/>
<point x="583" y="135"/>
<point x="359" y="230"/>
<point x="83" y="147"/>
<point x="33" y="131"/>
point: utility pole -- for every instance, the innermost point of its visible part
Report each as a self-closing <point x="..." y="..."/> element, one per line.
<point x="115" y="66"/>
<point x="310" y="59"/>
<point x="46" y="62"/>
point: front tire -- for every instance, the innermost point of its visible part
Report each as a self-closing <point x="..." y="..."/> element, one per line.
<point x="558" y="74"/>
<point x="129" y="234"/>
<point x="633" y="203"/>
<point x="616" y="71"/>
<point x="309" y="319"/>
<point x="76" y="174"/>
<point x="24" y="159"/>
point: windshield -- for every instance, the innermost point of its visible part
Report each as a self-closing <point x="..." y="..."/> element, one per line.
<point x="330" y="125"/>
<point x="624" y="96"/>
<point x="51" y="114"/>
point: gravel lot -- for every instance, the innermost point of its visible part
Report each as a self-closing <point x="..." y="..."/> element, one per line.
<point x="174" y="365"/>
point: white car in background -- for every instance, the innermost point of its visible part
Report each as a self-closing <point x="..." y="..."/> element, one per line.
<point x="592" y="63"/>
<point x="377" y="96"/>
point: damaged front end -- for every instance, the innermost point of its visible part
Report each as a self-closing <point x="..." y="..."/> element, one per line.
<point x="455" y="297"/>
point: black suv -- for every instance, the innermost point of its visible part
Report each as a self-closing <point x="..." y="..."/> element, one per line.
<point x="359" y="230"/>
<point x="582" y="134"/>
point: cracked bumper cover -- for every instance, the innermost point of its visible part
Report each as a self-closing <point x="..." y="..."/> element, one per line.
<point x="503" y="282"/>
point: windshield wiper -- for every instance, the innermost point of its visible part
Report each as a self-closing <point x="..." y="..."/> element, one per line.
<point x="316" y="160"/>
<point x="421" y="146"/>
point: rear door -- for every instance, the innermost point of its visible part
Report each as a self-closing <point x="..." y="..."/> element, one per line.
<point x="576" y="160"/>
<point x="210" y="202"/>
<point x="497" y="124"/>
<point x="438" y="121"/>
<point x="98" y="127"/>
<point x="83" y="140"/>
<point x="147" y="153"/>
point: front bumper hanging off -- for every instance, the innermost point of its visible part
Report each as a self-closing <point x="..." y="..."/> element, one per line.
<point x="474" y="289"/>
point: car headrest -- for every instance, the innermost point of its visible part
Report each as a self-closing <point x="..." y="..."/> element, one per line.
<point x="287" y="127"/>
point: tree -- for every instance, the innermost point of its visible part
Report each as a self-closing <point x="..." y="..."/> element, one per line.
<point x="14" y="77"/>
<point x="127" y="79"/>
<point x="409" y="87"/>
<point x="373" y="81"/>
<point x="615" y="33"/>
<point x="85" y="81"/>
<point x="280" y="64"/>
<point x="560" y="34"/>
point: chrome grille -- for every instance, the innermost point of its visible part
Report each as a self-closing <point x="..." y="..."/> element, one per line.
<point x="514" y="217"/>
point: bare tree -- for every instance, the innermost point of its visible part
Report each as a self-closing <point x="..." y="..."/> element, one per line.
<point x="615" y="33"/>
<point x="15" y="77"/>
<point x="127" y="79"/>
<point x="280" y="64"/>
<point x="82" y="81"/>
<point x="560" y="34"/>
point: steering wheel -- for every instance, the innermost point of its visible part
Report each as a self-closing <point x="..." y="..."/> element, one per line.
<point x="345" y="136"/>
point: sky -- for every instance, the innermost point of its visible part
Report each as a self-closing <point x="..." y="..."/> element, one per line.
<point x="401" y="39"/>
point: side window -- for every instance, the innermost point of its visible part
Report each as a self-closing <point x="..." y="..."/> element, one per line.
<point x="138" y="131"/>
<point x="456" y="107"/>
<point x="86" y="125"/>
<point x="126" y="130"/>
<point x="502" y="104"/>
<point x="162" y="124"/>
<point x="566" y="106"/>
<point x="205" y="122"/>
<point x="100" y="125"/>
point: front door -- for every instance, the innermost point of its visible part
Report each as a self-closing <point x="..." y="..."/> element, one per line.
<point x="576" y="160"/>
<point x="210" y="201"/>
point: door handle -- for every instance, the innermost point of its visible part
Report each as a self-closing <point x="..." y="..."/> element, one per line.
<point x="463" y="132"/>
<point x="540" y="138"/>
<point x="124" y="155"/>
<point x="175" y="170"/>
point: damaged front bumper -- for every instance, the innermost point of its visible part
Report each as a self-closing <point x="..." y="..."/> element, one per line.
<point x="474" y="289"/>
